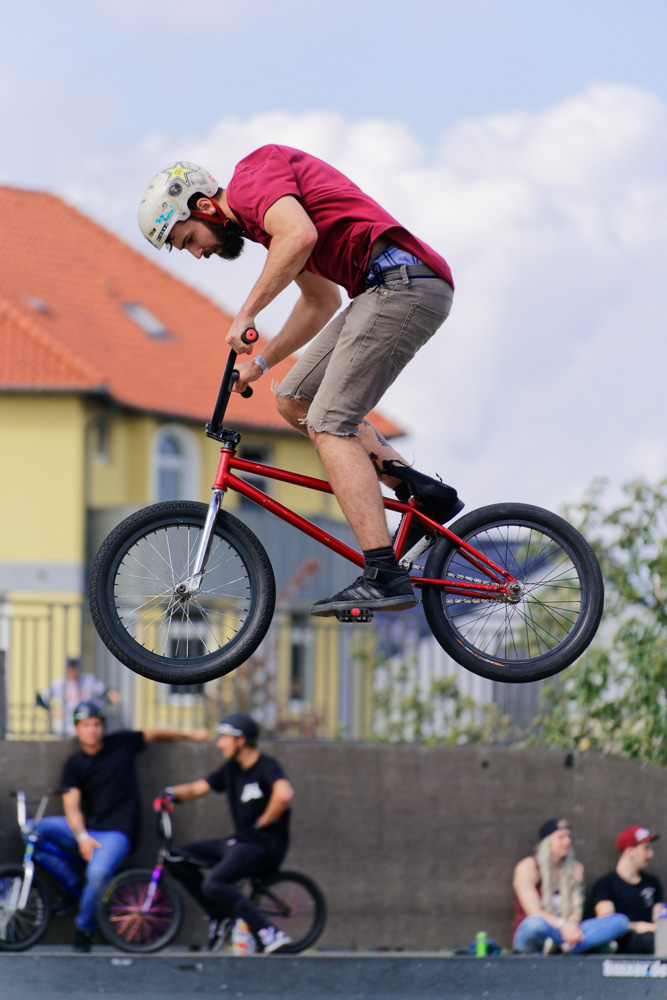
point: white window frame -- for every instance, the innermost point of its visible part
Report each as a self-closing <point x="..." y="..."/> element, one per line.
<point x="188" y="462"/>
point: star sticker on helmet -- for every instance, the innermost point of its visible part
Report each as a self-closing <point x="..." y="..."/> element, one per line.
<point x="180" y="171"/>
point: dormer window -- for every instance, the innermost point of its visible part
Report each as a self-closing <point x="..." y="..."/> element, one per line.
<point x="146" y="320"/>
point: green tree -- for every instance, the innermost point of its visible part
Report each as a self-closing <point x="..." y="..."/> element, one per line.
<point x="614" y="698"/>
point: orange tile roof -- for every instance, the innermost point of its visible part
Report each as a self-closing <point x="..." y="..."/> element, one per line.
<point x="64" y="281"/>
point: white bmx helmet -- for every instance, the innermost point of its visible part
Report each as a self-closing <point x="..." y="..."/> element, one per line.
<point x="165" y="200"/>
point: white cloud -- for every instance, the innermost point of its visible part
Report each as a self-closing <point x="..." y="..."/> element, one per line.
<point x="551" y="367"/>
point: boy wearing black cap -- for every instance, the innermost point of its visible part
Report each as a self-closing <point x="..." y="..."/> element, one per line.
<point x="549" y="888"/>
<point x="629" y="889"/>
<point x="259" y="798"/>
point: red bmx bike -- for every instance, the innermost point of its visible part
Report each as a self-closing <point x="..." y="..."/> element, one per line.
<point x="182" y="593"/>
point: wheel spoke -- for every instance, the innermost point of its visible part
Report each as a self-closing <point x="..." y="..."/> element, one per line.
<point x="181" y="627"/>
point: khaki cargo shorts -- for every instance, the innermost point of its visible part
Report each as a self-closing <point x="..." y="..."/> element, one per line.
<point x="353" y="361"/>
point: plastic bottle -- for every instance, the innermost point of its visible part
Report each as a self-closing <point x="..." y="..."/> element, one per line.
<point x="243" y="941"/>
<point x="480" y="943"/>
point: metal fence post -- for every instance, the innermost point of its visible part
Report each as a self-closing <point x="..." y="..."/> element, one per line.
<point x="3" y="697"/>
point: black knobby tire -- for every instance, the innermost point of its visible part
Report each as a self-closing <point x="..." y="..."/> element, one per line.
<point x="559" y="608"/>
<point x="295" y="904"/>
<point x="123" y="919"/>
<point x="161" y="635"/>
<point x="21" y="929"/>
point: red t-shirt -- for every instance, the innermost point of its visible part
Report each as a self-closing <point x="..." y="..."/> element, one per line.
<point x="347" y="220"/>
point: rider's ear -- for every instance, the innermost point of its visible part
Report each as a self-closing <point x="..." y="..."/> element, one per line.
<point x="205" y="205"/>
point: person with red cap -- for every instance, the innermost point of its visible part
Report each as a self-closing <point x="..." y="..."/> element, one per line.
<point x="631" y="890"/>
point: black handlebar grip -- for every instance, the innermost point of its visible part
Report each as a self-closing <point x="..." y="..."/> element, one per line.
<point x="247" y="392"/>
<point x="250" y="336"/>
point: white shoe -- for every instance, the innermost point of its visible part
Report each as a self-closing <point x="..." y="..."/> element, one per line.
<point x="218" y="933"/>
<point x="272" y="939"/>
<point x="550" y="947"/>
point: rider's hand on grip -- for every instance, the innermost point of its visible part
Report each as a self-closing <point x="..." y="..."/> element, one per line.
<point x="250" y="336"/>
<point x="164" y="802"/>
<point x="248" y="391"/>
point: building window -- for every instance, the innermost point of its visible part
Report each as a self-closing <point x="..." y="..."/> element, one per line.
<point x="301" y="659"/>
<point x="146" y="321"/>
<point x="183" y="694"/>
<point x="175" y="465"/>
<point x="101" y="432"/>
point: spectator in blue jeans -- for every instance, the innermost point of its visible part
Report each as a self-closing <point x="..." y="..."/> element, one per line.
<point x="102" y="813"/>
<point x="549" y="890"/>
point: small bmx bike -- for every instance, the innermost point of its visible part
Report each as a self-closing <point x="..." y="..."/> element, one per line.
<point x="142" y="909"/>
<point x="26" y="906"/>
<point x="182" y="594"/>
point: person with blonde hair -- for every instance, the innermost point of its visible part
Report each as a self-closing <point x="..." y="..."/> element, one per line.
<point x="549" y="890"/>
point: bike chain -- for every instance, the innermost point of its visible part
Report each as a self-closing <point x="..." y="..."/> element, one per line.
<point x="465" y="600"/>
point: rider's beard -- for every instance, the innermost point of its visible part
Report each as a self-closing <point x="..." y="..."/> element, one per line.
<point x="229" y="240"/>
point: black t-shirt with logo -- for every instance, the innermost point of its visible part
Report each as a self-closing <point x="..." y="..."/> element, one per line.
<point x="108" y="783"/>
<point x="248" y="792"/>
<point x="635" y="901"/>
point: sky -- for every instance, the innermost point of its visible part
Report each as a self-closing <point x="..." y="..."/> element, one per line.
<point x="525" y="141"/>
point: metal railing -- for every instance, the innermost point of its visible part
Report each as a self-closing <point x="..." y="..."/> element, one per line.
<point x="309" y="680"/>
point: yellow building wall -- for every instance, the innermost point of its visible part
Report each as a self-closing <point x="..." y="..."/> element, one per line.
<point x="42" y="497"/>
<point x="123" y="477"/>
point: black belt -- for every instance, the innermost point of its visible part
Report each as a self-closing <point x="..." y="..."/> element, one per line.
<point x="401" y="271"/>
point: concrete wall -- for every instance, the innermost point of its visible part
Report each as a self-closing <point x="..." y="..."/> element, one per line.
<point x="413" y="846"/>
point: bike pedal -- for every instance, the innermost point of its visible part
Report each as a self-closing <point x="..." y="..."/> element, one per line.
<point x="355" y="615"/>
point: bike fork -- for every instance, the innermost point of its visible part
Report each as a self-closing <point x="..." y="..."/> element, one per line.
<point x="152" y="889"/>
<point x="26" y="884"/>
<point x="193" y="583"/>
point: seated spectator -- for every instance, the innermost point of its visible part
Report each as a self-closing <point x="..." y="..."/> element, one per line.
<point x="632" y="891"/>
<point x="549" y="887"/>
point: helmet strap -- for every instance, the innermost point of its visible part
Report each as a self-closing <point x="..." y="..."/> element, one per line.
<point x="222" y="219"/>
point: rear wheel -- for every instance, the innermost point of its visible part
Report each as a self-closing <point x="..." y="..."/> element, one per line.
<point x="295" y="904"/>
<point x="545" y="624"/>
<point x="137" y="915"/>
<point x="20" y="929"/>
<point x="156" y="622"/>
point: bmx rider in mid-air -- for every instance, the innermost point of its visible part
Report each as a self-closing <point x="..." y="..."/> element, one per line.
<point x="321" y="232"/>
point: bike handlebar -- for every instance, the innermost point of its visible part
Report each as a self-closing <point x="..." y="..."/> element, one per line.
<point x="250" y="335"/>
<point x="214" y="429"/>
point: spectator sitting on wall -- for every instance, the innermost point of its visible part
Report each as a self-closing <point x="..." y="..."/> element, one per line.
<point x="64" y="694"/>
<point x="549" y="888"/>
<point x="629" y="889"/>
<point x="102" y="812"/>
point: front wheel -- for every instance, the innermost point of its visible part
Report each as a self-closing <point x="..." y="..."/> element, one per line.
<point x="550" y="619"/>
<point x="293" y="903"/>
<point x="138" y="915"/>
<point x="22" y="928"/>
<point x="152" y="618"/>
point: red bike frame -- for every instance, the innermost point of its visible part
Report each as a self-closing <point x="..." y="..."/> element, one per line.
<point x="502" y="581"/>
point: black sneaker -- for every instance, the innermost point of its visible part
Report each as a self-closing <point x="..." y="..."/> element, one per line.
<point x="65" y="903"/>
<point x="378" y="590"/>
<point x="437" y="500"/>
<point x="83" y="941"/>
